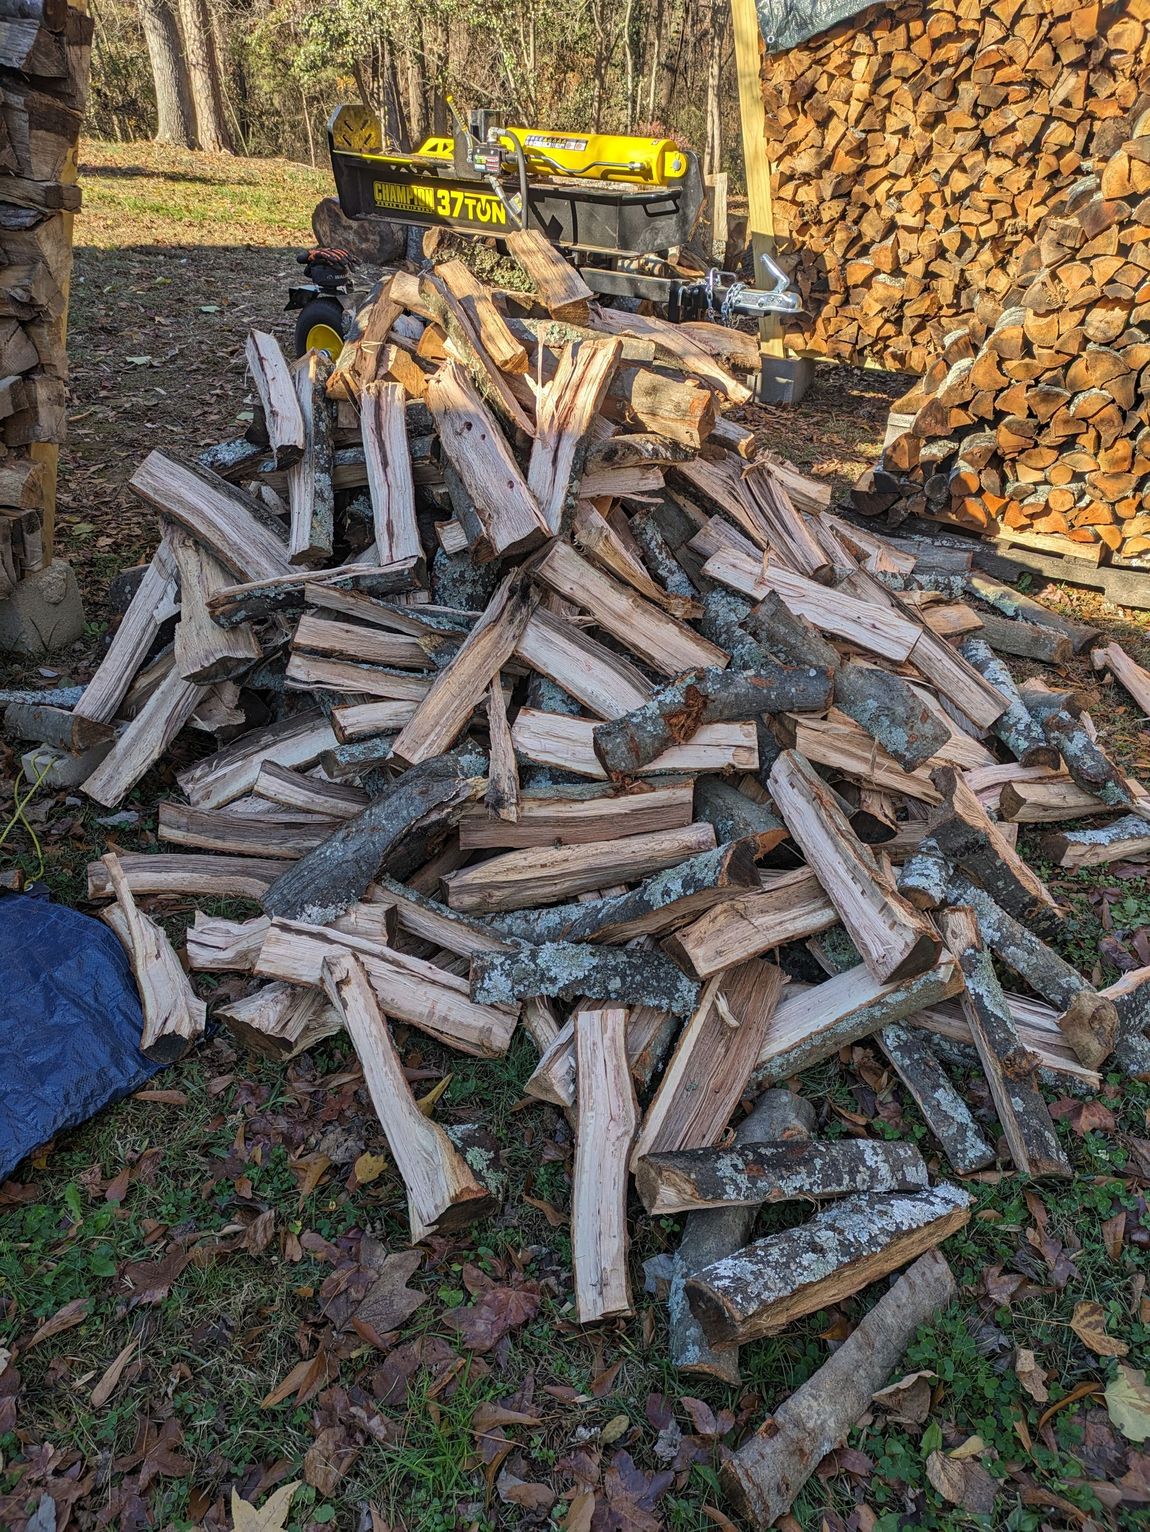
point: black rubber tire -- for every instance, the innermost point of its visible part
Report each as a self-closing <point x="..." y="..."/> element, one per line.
<point x="322" y="310"/>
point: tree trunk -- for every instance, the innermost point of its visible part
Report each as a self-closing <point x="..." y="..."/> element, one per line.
<point x="204" y="76"/>
<point x="175" y="122"/>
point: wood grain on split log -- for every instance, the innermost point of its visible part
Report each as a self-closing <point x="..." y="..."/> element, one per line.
<point x="787" y="907"/>
<point x="442" y="1192"/>
<point x="685" y="1180"/>
<point x="324" y="883"/>
<point x="1010" y="1070"/>
<point x="764" y="1477"/>
<point x="1087" y="1020"/>
<point x="709" y="1235"/>
<point x="606" y="683"/>
<point x="174" y="1015"/>
<point x="387" y="458"/>
<point x="712" y="1061"/>
<point x="205" y="651"/>
<point x="568" y="970"/>
<point x="675" y="713"/>
<point x="217" y="945"/>
<point x="145" y="739"/>
<point x="606" y="1118"/>
<point x="1131" y="997"/>
<point x="846" y="1246"/>
<point x="1127" y="672"/>
<point x="1017" y="728"/>
<point x="280" y="1020"/>
<point x="553" y="739"/>
<point x="893" y="937"/>
<point x="213" y="877"/>
<point x="660" y="903"/>
<point x="545" y="874"/>
<point x="572" y="816"/>
<point x="966" y="835"/>
<point x="241" y="834"/>
<point x="298" y="740"/>
<point x="564" y="415"/>
<point x="273" y="383"/>
<point x="459" y="687"/>
<point x="288" y="593"/>
<point x="1047" y="801"/>
<point x="433" y="922"/>
<point x="811" y="1024"/>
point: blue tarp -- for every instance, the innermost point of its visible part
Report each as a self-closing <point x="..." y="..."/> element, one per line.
<point x="786" y="23"/>
<point x="70" y="1023"/>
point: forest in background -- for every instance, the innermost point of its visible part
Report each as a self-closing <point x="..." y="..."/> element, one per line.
<point x="260" y="77"/>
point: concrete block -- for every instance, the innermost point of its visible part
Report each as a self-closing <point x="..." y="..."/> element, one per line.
<point x="785" y="380"/>
<point x="44" y="613"/>
<point x="60" y="768"/>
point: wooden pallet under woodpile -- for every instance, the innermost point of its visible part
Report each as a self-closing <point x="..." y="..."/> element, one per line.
<point x="540" y="703"/>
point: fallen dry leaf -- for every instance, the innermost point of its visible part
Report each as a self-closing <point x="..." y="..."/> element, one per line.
<point x="616" y="1427"/>
<point x="163" y="1097"/>
<point x="328" y="1459"/>
<point x="580" y="1512"/>
<point x="389" y="1302"/>
<point x="965" y="1483"/>
<point x="106" y="1387"/>
<point x="270" y="1517"/>
<point x="538" y="1498"/>
<point x="71" y="1314"/>
<point x="306" y="1378"/>
<point x="908" y="1400"/>
<point x="1030" y="1375"/>
<point x="1089" y="1324"/>
<point x="369" y="1167"/>
<point x="151" y="1281"/>
<point x="1128" y="1403"/>
<point x="485" y="1323"/>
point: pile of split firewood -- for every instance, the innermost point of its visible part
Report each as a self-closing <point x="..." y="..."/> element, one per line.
<point x="544" y="704"/>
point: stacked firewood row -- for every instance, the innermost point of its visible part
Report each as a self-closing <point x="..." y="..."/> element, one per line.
<point x="918" y="149"/>
<point x="542" y="705"/>
<point x="45" y="48"/>
<point x="1040" y="433"/>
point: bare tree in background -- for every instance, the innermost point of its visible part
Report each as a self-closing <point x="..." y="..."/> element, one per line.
<point x="175" y="119"/>
<point x="204" y="76"/>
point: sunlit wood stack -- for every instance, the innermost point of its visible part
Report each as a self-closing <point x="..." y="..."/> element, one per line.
<point x="44" y="61"/>
<point x="540" y="705"/>
<point x="1041" y="432"/>
<point x="919" y="147"/>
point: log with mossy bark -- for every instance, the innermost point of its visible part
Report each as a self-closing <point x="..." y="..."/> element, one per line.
<point x="1017" y="728"/>
<point x="569" y="970"/>
<point x="1085" y="759"/>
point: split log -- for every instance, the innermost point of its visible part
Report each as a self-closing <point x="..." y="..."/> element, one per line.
<point x="387" y="458"/>
<point x="490" y="327"/>
<point x="1085" y="760"/>
<point x="144" y="740"/>
<point x="788" y="906"/>
<point x="463" y="341"/>
<point x="943" y="1110"/>
<point x="264" y="835"/>
<point x="893" y="937"/>
<point x="846" y="1246"/>
<point x="675" y="714"/>
<point x="552" y="739"/>
<point x="212" y="877"/>
<point x="204" y="651"/>
<point x="306" y="672"/>
<point x="666" y="645"/>
<point x="735" y="816"/>
<point x="673" y="347"/>
<point x="216" y="945"/>
<point x="311" y="795"/>
<point x="812" y="1024"/>
<point x="369" y="720"/>
<point x="712" y="1062"/>
<point x="431" y="921"/>
<point x="567" y="409"/>
<point x="324" y="883"/>
<point x="1025" y="640"/>
<point x="223" y="518"/>
<point x="508" y="515"/>
<point x="298" y="740"/>
<point x="154" y="601"/>
<point x="545" y="875"/>
<point x="502" y="796"/>
<point x="1123" y="839"/>
<point x="750" y="1174"/>
<point x="287" y="593"/>
<point x="1131" y="998"/>
<point x="606" y="1117"/>
<point x="559" y="287"/>
<point x="660" y="904"/>
<point x="764" y="1477"/>
<point x="1009" y="1068"/>
<point x="173" y="1014"/>
<point x="574" y="816"/>
<point x="568" y="970"/>
<point x="605" y="683"/>
<point x="276" y="390"/>
<point x="459" y="688"/>
<point x="1049" y="800"/>
<point x="407" y="988"/>
<point x="1126" y="672"/>
<point x="778" y="1116"/>
<point x="280" y="1020"/>
<point x="442" y="1192"/>
<point x="1088" y="1022"/>
<point x="310" y="481"/>
<point x="1017" y="728"/>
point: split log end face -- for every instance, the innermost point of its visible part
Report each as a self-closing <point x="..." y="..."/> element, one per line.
<point x="1090" y="1025"/>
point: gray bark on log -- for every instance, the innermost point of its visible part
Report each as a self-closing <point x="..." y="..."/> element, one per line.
<point x="662" y="902"/>
<point x="750" y="1174"/>
<point x="569" y="970"/>
<point x="1125" y="837"/>
<point x="765" y="1475"/>
<point x="846" y="1246"/>
<point x="1085" y="760"/>
<point x="1017" y="728"/>
<point x="675" y="714"/>
<point x="713" y="1233"/>
<point x="945" y="1112"/>
<point x="331" y="878"/>
<point x="1131" y="997"/>
<point x="735" y="816"/>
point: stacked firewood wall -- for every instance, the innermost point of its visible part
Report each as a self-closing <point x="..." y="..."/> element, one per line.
<point x="920" y="149"/>
<point x="45" y="48"/>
